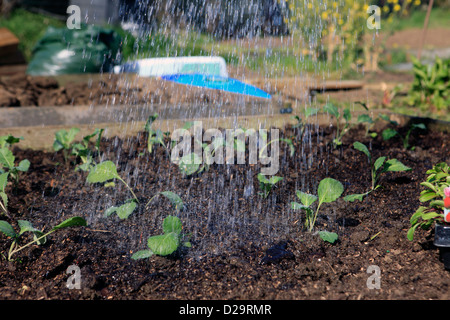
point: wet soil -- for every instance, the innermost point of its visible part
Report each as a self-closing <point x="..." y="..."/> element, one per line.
<point x="243" y="246"/>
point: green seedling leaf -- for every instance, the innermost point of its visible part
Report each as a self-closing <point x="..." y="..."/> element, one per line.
<point x="395" y="165"/>
<point x="297" y="206"/>
<point x="365" y="118"/>
<point x="163" y="245"/>
<point x="347" y="115"/>
<point x="124" y="211"/>
<point x="327" y="236"/>
<point x="172" y="224"/>
<point x="354" y="197"/>
<point x="190" y="164"/>
<point x="329" y="190"/>
<point x="331" y="109"/>
<point x="103" y="172"/>
<point x="3" y="181"/>
<point x="361" y="147"/>
<point x="305" y="198"/>
<point x="290" y="144"/>
<point x="389" y="133"/>
<point x="24" y="165"/>
<point x="7" y="158"/>
<point x="275" y="179"/>
<point x="142" y="254"/>
<point x="311" y="112"/>
<point x="26" y="226"/>
<point x="262" y="178"/>
<point x="64" y="138"/>
<point x="379" y="163"/>
<point x="187" y="244"/>
<point x="71" y="222"/>
<point x="419" y="126"/>
<point x="9" y="140"/>
<point x="174" y="199"/>
<point x="110" y="211"/>
<point x="7" y="229"/>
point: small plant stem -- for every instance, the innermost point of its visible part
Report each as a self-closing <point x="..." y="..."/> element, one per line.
<point x="311" y="225"/>
<point x="11" y="251"/>
<point x="148" y="203"/>
<point x="4" y="210"/>
<point x="128" y="188"/>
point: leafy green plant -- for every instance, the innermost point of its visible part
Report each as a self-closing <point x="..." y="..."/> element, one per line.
<point x="329" y="190"/>
<point x="155" y="137"/>
<point x="340" y="131"/>
<point x="175" y="199"/>
<point x="83" y="151"/>
<point x="166" y="243"/>
<point x="192" y="163"/>
<point x="368" y="122"/>
<point x="123" y="211"/>
<point x="431" y="85"/>
<point x="266" y="185"/>
<point x="104" y="172"/>
<point x="285" y="140"/>
<point x="380" y="166"/>
<point x="63" y="141"/>
<point x="390" y="133"/>
<point x="39" y="237"/>
<point x="306" y="113"/>
<point x="8" y="141"/>
<point x="437" y="181"/>
<point x="327" y="236"/>
<point x="7" y="164"/>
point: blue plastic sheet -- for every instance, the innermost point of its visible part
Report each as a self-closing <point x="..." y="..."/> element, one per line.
<point x="218" y="83"/>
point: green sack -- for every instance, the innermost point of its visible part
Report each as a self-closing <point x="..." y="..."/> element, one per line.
<point x="64" y="51"/>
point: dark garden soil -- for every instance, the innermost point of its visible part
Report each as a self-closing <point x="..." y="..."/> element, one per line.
<point x="243" y="246"/>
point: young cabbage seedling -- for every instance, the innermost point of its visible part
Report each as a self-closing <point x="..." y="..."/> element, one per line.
<point x="166" y="243"/>
<point x="63" y="141"/>
<point x="7" y="160"/>
<point x="346" y="115"/>
<point x="329" y="190"/>
<point x="266" y="185"/>
<point x="390" y="133"/>
<point x="380" y="166"/>
<point x="300" y="125"/>
<point x="8" y="141"/>
<point x="155" y="137"/>
<point x="39" y="237"/>
<point x="105" y="172"/>
<point x="83" y="151"/>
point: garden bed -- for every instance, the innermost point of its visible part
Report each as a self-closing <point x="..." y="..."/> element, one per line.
<point x="231" y="226"/>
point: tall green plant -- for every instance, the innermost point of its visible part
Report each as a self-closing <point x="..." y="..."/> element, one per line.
<point x="431" y="85"/>
<point x="329" y="190"/>
<point x="377" y="168"/>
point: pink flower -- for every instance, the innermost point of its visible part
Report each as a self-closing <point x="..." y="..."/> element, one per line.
<point x="447" y="192"/>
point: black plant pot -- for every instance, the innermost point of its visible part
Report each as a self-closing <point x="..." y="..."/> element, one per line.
<point x="442" y="241"/>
